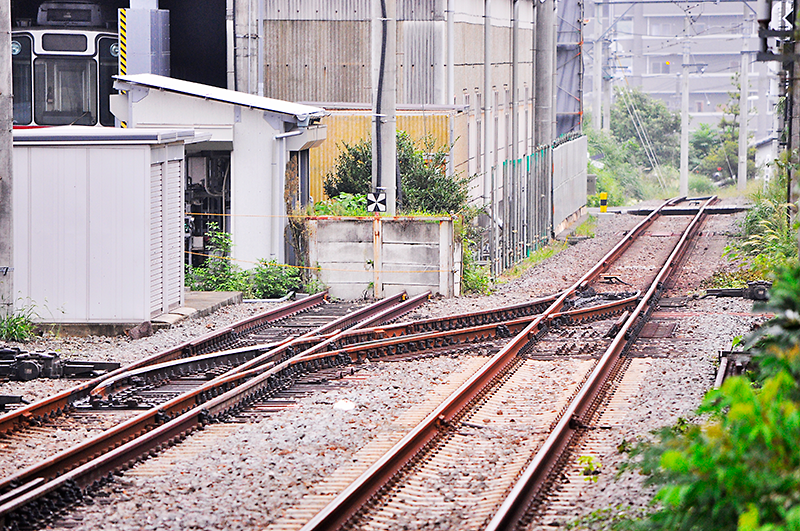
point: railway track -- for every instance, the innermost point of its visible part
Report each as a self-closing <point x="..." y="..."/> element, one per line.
<point x="568" y="326"/>
<point x="398" y="482"/>
<point x="176" y="393"/>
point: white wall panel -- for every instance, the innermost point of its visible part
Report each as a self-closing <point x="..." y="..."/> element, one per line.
<point x="83" y="231"/>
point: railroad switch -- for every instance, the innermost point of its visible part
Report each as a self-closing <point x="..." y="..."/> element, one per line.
<point x="757" y="290"/>
<point x="612" y="279"/>
<point x="11" y="399"/>
<point x="17" y="364"/>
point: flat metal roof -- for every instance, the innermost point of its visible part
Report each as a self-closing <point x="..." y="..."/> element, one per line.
<point x="301" y="112"/>
<point x="83" y="134"/>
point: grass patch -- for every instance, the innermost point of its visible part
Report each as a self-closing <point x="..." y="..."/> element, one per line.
<point x="731" y="279"/>
<point x="540" y="255"/>
<point x="608" y="518"/>
<point x="587" y="228"/>
<point x="19" y="326"/>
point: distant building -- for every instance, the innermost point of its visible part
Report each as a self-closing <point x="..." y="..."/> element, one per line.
<point x="645" y="47"/>
<point x="320" y="51"/>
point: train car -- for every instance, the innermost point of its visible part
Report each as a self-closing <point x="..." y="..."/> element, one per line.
<point x="62" y="65"/>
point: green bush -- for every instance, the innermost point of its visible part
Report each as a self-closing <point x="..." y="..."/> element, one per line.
<point x="768" y="240"/>
<point x="475" y="278"/>
<point x="353" y="170"/>
<point x="701" y="184"/>
<point x="219" y="273"/>
<point x="738" y="468"/>
<point x="265" y="281"/>
<point x="344" y="204"/>
<point x="270" y="280"/>
<point x="425" y="185"/>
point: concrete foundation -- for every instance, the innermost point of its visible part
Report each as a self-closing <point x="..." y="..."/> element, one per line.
<point x="378" y="257"/>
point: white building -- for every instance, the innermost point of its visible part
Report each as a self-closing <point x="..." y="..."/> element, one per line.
<point x="645" y="45"/>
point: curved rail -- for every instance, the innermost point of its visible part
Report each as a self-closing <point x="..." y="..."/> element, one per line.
<point x="359" y="334"/>
<point x="70" y="471"/>
<point x="256" y="354"/>
<point x="358" y="493"/>
<point x="513" y="509"/>
<point x="56" y="404"/>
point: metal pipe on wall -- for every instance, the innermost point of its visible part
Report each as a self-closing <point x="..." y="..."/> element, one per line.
<point x="249" y="46"/>
<point x="260" y="47"/>
<point x="515" y="81"/>
<point x="230" y="37"/>
<point x="488" y="164"/>
<point x="451" y="53"/>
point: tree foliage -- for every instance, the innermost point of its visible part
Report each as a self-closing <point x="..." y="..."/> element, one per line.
<point x="424" y="183"/>
<point x="618" y="171"/>
<point x="661" y="125"/>
<point x="715" y="152"/>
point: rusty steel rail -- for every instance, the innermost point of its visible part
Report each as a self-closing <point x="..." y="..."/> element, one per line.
<point x="80" y="466"/>
<point x="367" y="331"/>
<point x="58" y="403"/>
<point x="517" y="503"/>
<point x="254" y="355"/>
<point x="336" y="514"/>
<point x="399" y="345"/>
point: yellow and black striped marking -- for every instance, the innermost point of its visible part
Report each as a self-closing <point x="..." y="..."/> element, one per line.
<point x="123" y="46"/>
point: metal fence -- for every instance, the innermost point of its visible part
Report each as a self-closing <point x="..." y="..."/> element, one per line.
<point x="524" y="204"/>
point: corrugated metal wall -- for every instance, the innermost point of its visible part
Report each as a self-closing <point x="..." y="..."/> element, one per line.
<point x="569" y="178"/>
<point x="421" y="73"/>
<point x="318" y="10"/>
<point x="351" y="126"/>
<point x="318" y="61"/>
<point x="350" y="9"/>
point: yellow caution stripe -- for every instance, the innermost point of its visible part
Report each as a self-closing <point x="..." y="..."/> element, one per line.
<point x="123" y="46"/>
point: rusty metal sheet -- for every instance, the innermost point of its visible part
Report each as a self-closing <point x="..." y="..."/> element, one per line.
<point x="658" y="329"/>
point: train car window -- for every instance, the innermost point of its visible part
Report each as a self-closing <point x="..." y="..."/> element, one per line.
<point x="65" y="90"/>
<point x="22" y="82"/>
<point x="108" y="53"/>
<point x="62" y="42"/>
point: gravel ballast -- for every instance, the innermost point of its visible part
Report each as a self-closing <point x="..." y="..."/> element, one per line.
<point x="263" y="467"/>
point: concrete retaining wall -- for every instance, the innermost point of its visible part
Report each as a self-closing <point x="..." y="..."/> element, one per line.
<point x="365" y="257"/>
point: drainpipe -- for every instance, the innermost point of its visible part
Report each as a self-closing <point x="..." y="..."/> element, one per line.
<point x="451" y="54"/>
<point x="488" y="180"/>
<point x="514" y="81"/>
<point x="260" y="47"/>
<point x="230" y="35"/>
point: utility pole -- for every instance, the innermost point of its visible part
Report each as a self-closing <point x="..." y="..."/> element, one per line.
<point x="684" y="178"/>
<point x="384" y="97"/>
<point x="743" y="109"/>
<point x="606" y="80"/>
<point x="545" y="66"/>
<point x="545" y="110"/>
<point x="597" y="67"/>
<point x="6" y="165"/>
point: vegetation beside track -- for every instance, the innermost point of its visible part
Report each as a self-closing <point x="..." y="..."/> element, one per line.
<point x="266" y="280"/>
<point x="737" y="467"/>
